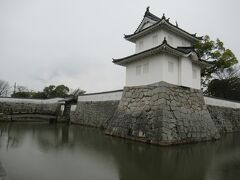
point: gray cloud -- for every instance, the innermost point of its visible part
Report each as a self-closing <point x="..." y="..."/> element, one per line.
<point x="72" y="42"/>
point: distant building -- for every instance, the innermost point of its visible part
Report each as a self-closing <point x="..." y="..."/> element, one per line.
<point x="164" y="52"/>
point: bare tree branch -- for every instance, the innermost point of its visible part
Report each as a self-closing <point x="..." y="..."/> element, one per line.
<point x="4" y="87"/>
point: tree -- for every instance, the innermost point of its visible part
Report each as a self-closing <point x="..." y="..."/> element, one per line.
<point x="226" y="84"/>
<point x="4" y="88"/>
<point x="56" y="91"/>
<point x="61" y="91"/>
<point x="50" y="91"/>
<point x="39" y="95"/>
<point x="22" y="92"/>
<point x="76" y="92"/>
<point x="217" y="55"/>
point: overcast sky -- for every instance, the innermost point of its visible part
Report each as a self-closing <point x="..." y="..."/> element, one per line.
<point x="72" y="42"/>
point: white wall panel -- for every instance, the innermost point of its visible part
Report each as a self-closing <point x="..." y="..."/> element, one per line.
<point x="105" y="96"/>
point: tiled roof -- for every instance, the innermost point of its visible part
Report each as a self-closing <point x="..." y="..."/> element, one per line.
<point x="158" y="23"/>
<point x="164" y="47"/>
<point x="151" y="16"/>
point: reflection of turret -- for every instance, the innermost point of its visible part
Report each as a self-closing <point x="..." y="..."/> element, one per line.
<point x="141" y="161"/>
<point x="129" y="159"/>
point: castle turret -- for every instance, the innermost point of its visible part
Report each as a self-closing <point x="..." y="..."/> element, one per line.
<point x="163" y="52"/>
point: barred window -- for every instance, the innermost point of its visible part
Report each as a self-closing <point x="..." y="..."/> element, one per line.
<point x="138" y="70"/>
<point x="145" y="68"/>
<point x="170" y="66"/>
<point x="140" y="45"/>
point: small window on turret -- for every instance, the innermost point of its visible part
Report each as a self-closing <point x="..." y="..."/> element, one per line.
<point x="140" y="45"/>
<point x="138" y="70"/>
<point x="170" y="66"/>
<point x="145" y="68"/>
<point x="155" y="39"/>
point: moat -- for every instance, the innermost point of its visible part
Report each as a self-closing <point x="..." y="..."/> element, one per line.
<point x="41" y="151"/>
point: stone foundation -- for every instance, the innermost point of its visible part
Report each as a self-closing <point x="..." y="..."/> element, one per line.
<point x="93" y="113"/>
<point x="162" y="114"/>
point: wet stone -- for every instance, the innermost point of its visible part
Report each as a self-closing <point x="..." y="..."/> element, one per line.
<point x="162" y="117"/>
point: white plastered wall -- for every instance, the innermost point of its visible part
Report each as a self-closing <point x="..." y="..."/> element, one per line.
<point x="220" y="102"/>
<point x="190" y="74"/>
<point x="158" y="70"/>
<point x="196" y="80"/>
<point x="171" y="74"/>
<point x="155" y="71"/>
<point x="147" y="42"/>
<point x="185" y="75"/>
<point x="181" y="72"/>
<point x="105" y="96"/>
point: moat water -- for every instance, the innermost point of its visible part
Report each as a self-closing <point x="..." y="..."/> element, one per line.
<point x="59" y="152"/>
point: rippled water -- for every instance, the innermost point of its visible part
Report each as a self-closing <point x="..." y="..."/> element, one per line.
<point x="61" y="152"/>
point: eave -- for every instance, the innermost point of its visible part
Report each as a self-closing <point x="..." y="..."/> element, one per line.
<point x="163" y="23"/>
<point x="164" y="47"/>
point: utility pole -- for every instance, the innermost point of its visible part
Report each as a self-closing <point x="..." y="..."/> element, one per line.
<point x="14" y="89"/>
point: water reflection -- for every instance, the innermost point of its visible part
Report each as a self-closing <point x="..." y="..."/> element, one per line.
<point x="74" y="152"/>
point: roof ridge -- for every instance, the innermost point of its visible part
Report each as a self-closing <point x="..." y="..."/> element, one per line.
<point x="166" y="20"/>
<point x="151" y="15"/>
<point x="185" y="47"/>
<point x="158" y="20"/>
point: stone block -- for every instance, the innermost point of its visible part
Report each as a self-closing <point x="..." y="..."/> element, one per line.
<point x="169" y="113"/>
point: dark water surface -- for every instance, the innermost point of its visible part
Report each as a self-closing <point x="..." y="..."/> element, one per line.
<point x="61" y="152"/>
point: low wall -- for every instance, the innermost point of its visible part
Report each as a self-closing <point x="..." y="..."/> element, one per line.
<point x="221" y="102"/>
<point x="117" y="95"/>
<point x="28" y="106"/>
<point x="93" y="113"/>
<point x="160" y="114"/>
<point x="32" y="101"/>
<point x="225" y="114"/>
<point x="102" y="96"/>
<point x="226" y="119"/>
<point x="95" y="109"/>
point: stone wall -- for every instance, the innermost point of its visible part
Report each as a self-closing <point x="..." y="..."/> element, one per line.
<point x="10" y="106"/>
<point x="226" y="119"/>
<point x="162" y="114"/>
<point x="93" y="113"/>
